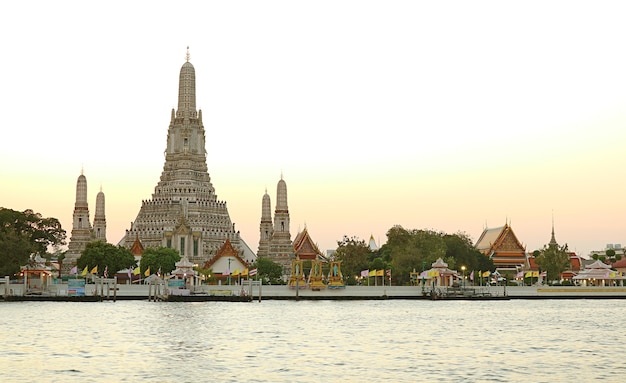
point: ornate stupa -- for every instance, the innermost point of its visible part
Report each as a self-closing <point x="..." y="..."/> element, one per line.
<point x="99" y="219"/>
<point x="275" y="240"/>
<point x="184" y="212"/>
<point x="82" y="230"/>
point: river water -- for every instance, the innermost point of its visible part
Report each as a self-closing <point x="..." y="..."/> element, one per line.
<point x="314" y="341"/>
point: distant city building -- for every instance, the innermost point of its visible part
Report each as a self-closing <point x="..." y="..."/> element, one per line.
<point x="617" y="247"/>
<point x="82" y="230"/>
<point x="184" y="213"/>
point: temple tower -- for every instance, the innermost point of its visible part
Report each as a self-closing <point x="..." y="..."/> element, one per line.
<point x="553" y="242"/>
<point x="281" y="248"/>
<point x="99" y="220"/>
<point x="184" y="212"/>
<point x="265" y="229"/>
<point x="81" y="227"/>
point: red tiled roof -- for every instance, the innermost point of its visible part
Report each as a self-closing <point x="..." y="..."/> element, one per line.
<point x="620" y="263"/>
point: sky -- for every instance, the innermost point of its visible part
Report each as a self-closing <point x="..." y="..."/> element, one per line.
<point x="449" y="116"/>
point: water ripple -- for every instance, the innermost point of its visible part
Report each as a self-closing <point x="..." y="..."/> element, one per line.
<point x="285" y="341"/>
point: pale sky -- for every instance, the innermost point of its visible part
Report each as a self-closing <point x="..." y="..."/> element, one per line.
<point x="431" y="115"/>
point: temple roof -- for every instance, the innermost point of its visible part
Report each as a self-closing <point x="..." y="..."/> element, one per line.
<point x="305" y="248"/>
<point x="494" y="239"/>
<point x="137" y="248"/>
<point x="598" y="265"/>
<point x="227" y="250"/>
<point x="621" y="263"/>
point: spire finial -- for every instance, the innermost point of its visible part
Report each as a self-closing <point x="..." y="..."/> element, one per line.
<point x="187" y="55"/>
<point x="552" y="237"/>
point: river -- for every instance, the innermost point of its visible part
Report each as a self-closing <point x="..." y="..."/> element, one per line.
<point x="314" y="341"/>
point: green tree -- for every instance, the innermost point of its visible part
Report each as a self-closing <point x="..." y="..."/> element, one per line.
<point x="354" y="255"/>
<point x="554" y="260"/>
<point x="610" y="254"/>
<point x="461" y="252"/>
<point x="412" y="249"/>
<point x="378" y="264"/>
<point x="23" y="234"/>
<point x="105" y="255"/>
<point x="268" y="270"/>
<point x="161" y="258"/>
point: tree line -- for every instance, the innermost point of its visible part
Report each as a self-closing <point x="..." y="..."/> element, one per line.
<point x="26" y="234"/>
<point x="408" y="250"/>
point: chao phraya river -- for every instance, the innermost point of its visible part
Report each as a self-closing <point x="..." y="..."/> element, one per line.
<point x="314" y="341"/>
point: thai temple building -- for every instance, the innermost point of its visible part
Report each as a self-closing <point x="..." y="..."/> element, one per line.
<point x="184" y="212"/>
<point x="275" y="238"/>
<point x="501" y="245"/>
<point x="227" y="263"/>
<point x="305" y="248"/>
<point x="82" y="230"/>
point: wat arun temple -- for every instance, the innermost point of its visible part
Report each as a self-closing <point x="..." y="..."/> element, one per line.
<point x="184" y="212"/>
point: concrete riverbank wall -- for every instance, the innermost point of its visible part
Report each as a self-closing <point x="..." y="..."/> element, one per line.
<point x="235" y="292"/>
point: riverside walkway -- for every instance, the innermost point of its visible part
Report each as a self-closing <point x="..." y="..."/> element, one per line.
<point x="59" y="292"/>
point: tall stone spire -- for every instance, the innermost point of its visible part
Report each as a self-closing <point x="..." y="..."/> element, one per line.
<point x="281" y="246"/>
<point x="281" y="214"/>
<point x="184" y="212"/>
<point x="187" y="91"/>
<point x="552" y="238"/>
<point x="266" y="228"/>
<point x="81" y="227"/>
<point x="99" y="219"/>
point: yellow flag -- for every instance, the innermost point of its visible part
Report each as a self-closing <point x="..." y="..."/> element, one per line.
<point x="372" y="273"/>
<point x="244" y="273"/>
<point x="236" y="272"/>
<point x="84" y="271"/>
<point x="147" y="273"/>
<point x="528" y="274"/>
<point x="486" y="273"/>
<point x="94" y="270"/>
<point x="136" y="271"/>
<point x="535" y="274"/>
<point x="380" y="273"/>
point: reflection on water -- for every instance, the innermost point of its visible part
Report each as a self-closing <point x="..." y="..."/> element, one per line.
<point x="314" y="341"/>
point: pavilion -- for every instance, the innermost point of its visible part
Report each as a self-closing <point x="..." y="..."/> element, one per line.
<point x="440" y="274"/>
<point x="599" y="274"/>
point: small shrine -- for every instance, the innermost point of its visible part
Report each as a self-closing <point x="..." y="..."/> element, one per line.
<point x="439" y="274"/>
<point x="184" y="270"/>
<point x="296" y="280"/>
<point x="335" y="278"/>
<point x="37" y="275"/>
<point x="316" y="276"/>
